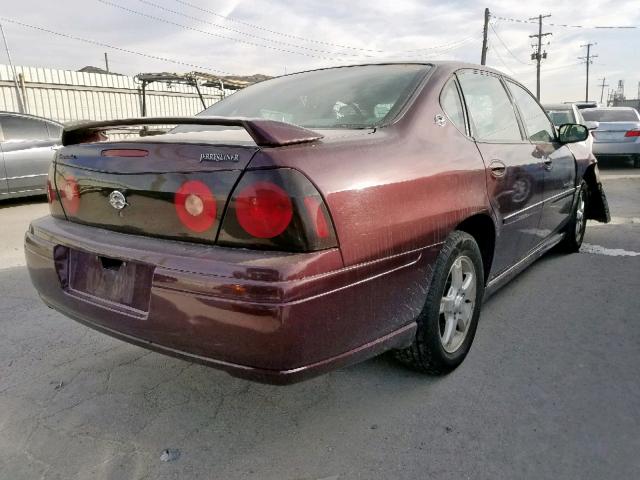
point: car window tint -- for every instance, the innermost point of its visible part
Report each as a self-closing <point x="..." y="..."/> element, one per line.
<point x="18" y="128"/>
<point x="560" y="117"/>
<point x="601" y="115"/>
<point x="492" y="114"/>
<point x="452" y="106"/>
<point x="538" y="126"/>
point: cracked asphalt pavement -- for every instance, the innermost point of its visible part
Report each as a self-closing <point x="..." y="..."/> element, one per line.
<point x="550" y="390"/>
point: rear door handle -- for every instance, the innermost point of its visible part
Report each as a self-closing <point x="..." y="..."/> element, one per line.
<point x="548" y="163"/>
<point x="497" y="168"/>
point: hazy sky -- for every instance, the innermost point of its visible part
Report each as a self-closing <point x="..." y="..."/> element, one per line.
<point x="274" y="36"/>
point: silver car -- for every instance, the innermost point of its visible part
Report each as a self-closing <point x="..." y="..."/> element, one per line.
<point x="561" y="113"/>
<point x="26" y="150"/>
<point x="618" y="132"/>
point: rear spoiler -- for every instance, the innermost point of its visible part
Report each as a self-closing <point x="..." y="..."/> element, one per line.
<point x="266" y="133"/>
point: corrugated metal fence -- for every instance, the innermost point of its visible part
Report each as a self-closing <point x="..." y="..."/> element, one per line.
<point x="66" y="96"/>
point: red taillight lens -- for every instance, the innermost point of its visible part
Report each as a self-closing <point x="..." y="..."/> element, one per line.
<point x="277" y="209"/>
<point x="51" y="193"/>
<point x="318" y="216"/>
<point x="70" y="195"/>
<point x="196" y="206"/>
<point x="125" y="152"/>
<point x="263" y="209"/>
<point x="632" y="133"/>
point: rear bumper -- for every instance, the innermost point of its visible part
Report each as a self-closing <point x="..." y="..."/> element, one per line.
<point x="616" y="149"/>
<point x="266" y="316"/>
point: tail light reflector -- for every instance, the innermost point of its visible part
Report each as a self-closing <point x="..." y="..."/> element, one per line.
<point x="196" y="206"/>
<point x="632" y="133"/>
<point x="277" y="209"/>
<point x="70" y="195"/>
<point x="51" y="192"/>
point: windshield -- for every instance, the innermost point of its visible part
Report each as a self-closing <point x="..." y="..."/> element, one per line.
<point x="560" y="117"/>
<point x="347" y="97"/>
<point x="597" y="115"/>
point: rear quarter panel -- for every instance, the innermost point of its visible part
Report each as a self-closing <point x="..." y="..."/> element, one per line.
<point x="401" y="188"/>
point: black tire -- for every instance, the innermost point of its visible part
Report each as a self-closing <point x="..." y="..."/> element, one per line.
<point x="573" y="237"/>
<point x="427" y="353"/>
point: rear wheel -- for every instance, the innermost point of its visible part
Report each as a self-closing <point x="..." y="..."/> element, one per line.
<point x="575" y="229"/>
<point x="448" y="321"/>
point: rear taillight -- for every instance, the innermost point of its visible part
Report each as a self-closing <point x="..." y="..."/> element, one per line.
<point x="632" y="133"/>
<point x="69" y="195"/>
<point x="51" y="192"/>
<point x="277" y="209"/>
<point x="196" y="206"/>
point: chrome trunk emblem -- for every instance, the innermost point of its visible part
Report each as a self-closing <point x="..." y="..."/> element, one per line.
<point x="117" y="200"/>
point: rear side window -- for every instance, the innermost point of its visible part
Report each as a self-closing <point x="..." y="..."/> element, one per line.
<point x="491" y="112"/>
<point x="597" y="115"/>
<point x="18" y="128"/>
<point x="452" y="105"/>
<point x="538" y="126"/>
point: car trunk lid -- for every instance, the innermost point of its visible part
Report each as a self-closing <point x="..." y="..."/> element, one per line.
<point x="614" y="132"/>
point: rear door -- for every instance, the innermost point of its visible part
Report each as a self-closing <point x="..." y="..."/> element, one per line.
<point x="28" y="151"/>
<point x="513" y="171"/>
<point x="559" y="165"/>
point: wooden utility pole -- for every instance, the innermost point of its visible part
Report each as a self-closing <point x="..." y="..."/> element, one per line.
<point x="21" y="108"/>
<point x="539" y="55"/>
<point x="106" y="62"/>
<point x="588" y="60"/>
<point x="485" y="31"/>
<point x="602" y="85"/>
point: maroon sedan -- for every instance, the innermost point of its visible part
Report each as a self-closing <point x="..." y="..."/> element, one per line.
<point x="314" y="220"/>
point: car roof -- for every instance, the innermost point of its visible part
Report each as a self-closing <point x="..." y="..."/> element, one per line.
<point x="27" y="115"/>
<point x="610" y="108"/>
<point x="448" y="64"/>
<point x="558" y="106"/>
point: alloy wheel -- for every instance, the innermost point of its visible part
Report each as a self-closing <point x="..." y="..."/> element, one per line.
<point x="457" y="304"/>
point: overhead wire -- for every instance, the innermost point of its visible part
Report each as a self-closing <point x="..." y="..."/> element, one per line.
<point x="505" y="46"/>
<point x="564" y="25"/>
<point x="193" y="29"/>
<point x="113" y="47"/>
<point x="239" y="32"/>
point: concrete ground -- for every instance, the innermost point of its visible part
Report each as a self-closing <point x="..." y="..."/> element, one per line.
<point x="550" y="390"/>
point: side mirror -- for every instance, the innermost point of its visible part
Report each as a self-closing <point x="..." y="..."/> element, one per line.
<point x="572" y="133"/>
<point x="591" y="125"/>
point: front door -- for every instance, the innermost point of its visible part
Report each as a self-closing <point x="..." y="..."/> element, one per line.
<point x="514" y="173"/>
<point x="559" y="163"/>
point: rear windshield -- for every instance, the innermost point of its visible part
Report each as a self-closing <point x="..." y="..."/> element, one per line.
<point x="596" y="115"/>
<point x="560" y="117"/>
<point x="347" y="97"/>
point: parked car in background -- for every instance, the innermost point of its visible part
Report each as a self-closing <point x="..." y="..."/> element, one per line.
<point x="26" y="152"/>
<point x="561" y="113"/>
<point x="314" y="220"/>
<point x="582" y="105"/>
<point x="618" y="132"/>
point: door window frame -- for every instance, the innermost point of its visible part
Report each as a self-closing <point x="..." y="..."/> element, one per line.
<point x="465" y="115"/>
<point x="523" y="138"/>
<point x="523" y="126"/>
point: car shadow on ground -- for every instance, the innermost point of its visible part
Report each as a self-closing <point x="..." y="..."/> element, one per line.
<point x="17" y="202"/>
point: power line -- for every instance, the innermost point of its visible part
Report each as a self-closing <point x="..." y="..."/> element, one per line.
<point x="539" y="55"/>
<point x="106" y="45"/>
<point x="240" y="32"/>
<point x="495" y="50"/>
<point x="310" y="40"/>
<point x="193" y="29"/>
<point x="274" y="32"/>
<point x="507" y="48"/>
<point x="613" y="27"/>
